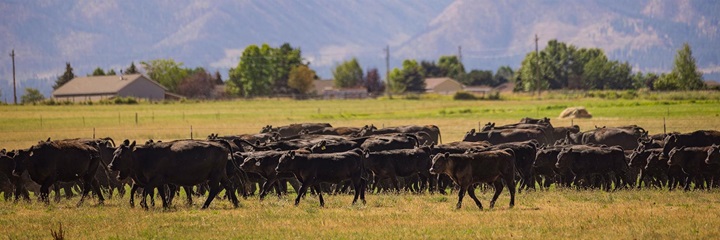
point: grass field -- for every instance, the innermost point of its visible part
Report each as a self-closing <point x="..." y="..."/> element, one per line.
<point x="646" y="214"/>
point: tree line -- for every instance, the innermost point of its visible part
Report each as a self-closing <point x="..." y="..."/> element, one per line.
<point x="270" y="71"/>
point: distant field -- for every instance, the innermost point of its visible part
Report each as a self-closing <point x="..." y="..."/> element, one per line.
<point x="23" y="126"/>
<point x="568" y="214"/>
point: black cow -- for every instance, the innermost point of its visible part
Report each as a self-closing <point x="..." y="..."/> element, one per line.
<point x="181" y="162"/>
<point x="389" y="142"/>
<point x="294" y="129"/>
<point x="625" y="137"/>
<point x="506" y="136"/>
<point x="700" y="138"/>
<point x="53" y="161"/>
<point x="692" y="161"/>
<point x="483" y="167"/>
<point x="524" y="157"/>
<point x="638" y="161"/>
<point x="312" y="169"/>
<point x="432" y="130"/>
<point x="658" y="169"/>
<point x="264" y="164"/>
<point x="400" y="163"/>
<point x="586" y="161"/>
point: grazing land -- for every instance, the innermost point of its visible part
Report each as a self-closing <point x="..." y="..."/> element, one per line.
<point x="558" y="213"/>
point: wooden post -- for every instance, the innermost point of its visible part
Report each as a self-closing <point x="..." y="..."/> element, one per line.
<point x="93" y="133"/>
<point x="136" y="119"/>
<point x="191" y="133"/>
<point x="664" y="127"/>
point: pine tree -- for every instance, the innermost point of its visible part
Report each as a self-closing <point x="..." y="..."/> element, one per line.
<point x="686" y="70"/>
<point x="131" y="70"/>
<point x="66" y="77"/>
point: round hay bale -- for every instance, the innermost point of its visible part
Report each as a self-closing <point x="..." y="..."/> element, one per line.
<point x="575" y="112"/>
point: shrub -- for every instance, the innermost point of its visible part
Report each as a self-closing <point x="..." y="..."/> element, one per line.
<point x="464" y="96"/>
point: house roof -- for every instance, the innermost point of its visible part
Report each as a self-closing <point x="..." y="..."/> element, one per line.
<point x="431" y="83"/>
<point x="322" y="85"/>
<point x="99" y="85"/>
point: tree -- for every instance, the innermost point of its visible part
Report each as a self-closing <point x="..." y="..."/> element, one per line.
<point x="301" y="79"/>
<point x="166" y="72"/>
<point x="31" y="95"/>
<point x="253" y="75"/>
<point x="688" y="76"/>
<point x="409" y="79"/>
<point x="372" y="81"/>
<point x="452" y="67"/>
<point x="197" y="85"/>
<point x="110" y="72"/>
<point x="502" y="75"/>
<point x="478" y="77"/>
<point x="218" y="78"/>
<point x="98" y="72"/>
<point x="66" y="77"/>
<point x="348" y="74"/>
<point x="131" y="69"/>
<point x="283" y="60"/>
<point x="432" y="70"/>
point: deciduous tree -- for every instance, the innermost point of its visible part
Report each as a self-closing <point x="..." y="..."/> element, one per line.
<point x="31" y="95"/>
<point x="348" y="74"/>
<point x="301" y="79"/>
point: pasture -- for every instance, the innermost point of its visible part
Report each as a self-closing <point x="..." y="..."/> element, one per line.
<point x="558" y="213"/>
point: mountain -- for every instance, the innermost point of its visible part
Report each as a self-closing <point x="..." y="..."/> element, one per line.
<point x="212" y="33"/>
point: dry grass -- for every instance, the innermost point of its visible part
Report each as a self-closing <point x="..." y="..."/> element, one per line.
<point x="646" y="214"/>
<point x="565" y="214"/>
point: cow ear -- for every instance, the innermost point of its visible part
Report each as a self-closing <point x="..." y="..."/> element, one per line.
<point x="367" y="153"/>
<point x="132" y="145"/>
<point x="447" y="154"/>
<point x="257" y="163"/>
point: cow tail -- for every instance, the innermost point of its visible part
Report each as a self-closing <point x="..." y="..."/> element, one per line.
<point x="230" y="151"/>
<point x="110" y="140"/>
<point x="439" y="135"/>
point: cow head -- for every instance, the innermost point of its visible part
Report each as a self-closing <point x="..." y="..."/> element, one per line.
<point x="122" y="160"/>
<point x="266" y="129"/>
<point x="488" y="126"/>
<point x="671" y="141"/>
<point x="635" y="157"/>
<point x="250" y="164"/>
<point x="439" y="163"/>
<point x="676" y="156"/>
<point x="286" y="162"/>
<point x="19" y="159"/>
<point x="319" y="147"/>
<point x="565" y="158"/>
<point x="713" y="155"/>
<point x="653" y="161"/>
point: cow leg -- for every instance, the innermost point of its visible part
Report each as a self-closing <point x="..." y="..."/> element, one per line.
<point x="96" y="186"/>
<point x="229" y="189"/>
<point x="498" y="189"/>
<point x="395" y="184"/>
<point x="461" y="194"/>
<point x="267" y="185"/>
<point x="56" y="188"/>
<point x="214" y="190"/>
<point x="188" y="194"/>
<point x="320" y="197"/>
<point x="301" y="193"/>
<point x="162" y="191"/>
<point x="471" y="193"/>
<point x="133" y="189"/>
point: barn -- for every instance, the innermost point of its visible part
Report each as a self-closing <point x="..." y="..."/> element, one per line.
<point x="444" y="85"/>
<point x="95" y="88"/>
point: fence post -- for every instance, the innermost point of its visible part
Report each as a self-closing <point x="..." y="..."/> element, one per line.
<point x="191" y="132"/>
<point x="83" y="120"/>
<point x="136" y="119"/>
<point x="93" y="133"/>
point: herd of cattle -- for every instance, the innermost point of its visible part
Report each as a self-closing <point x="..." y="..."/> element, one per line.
<point x="320" y="158"/>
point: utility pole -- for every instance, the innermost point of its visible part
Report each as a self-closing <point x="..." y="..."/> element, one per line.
<point x="460" y="54"/>
<point x="537" y="66"/>
<point x="387" y="70"/>
<point x="12" y="55"/>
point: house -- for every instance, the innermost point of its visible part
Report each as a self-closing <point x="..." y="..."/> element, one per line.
<point x="326" y="89"/>
<point x="444" y="85"/>
<point x="94" y="88"/>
